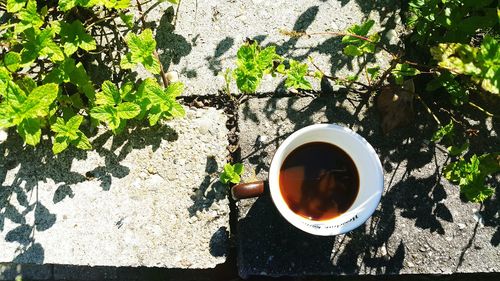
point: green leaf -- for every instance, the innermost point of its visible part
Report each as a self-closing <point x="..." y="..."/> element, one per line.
<point x="141" y="48"/>
<point x="110" y="94"/>
<point x="154" y="93"/>
<point x="455" y="150"/>
<point x="128" y="19"/>
<point x="403" y="70"/>
<point x="155" y="113"/>
<point x="82" y="142"/>
<point x="11" y="61"/>
<point x="252" y="63"/>
<point x="127" y="92"/>
<point x="113" y="4"/>
<point x="69" y="133"/>
<point x="39" y="45"/>
<point x="471" y="175"/>
<point x="246" y="81"/>
<point x="38" y="101"/>
<point x="74" y="123"/>
<point x="490" y="50"/>
<point x="361" y="30"/>
<point x="27" y="84"/>
<point x="238" y="168"/>
<point x="265" y="58"/>
<point x="29" y="17"/>
<point x="231" y="173"/>
<point x="446" y="80"/>
<point x="107" y="114"/>
<point x="29" y="130"/>
<point x="353" y="51"/>
<point x="59" y="126"/>
<point x="296" y="76"/>
<point x="74" y="36"/>
<point x="65" y="5"/>
<point x="447" y="130"/>
<point x="177" y="110"/>
<point x="15" y="5"/>
<point x="175" y="89"/>
<point x="373" y="72"/>
<point x="67" y="71"/>
<point x="59" y="144"/>
<point x="128" y="110"/>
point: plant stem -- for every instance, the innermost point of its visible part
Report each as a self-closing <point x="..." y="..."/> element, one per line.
<point x="334" y="78"/>
<point x="149" y="9"/>
<point x="368" y="77"/>
<point x="482" y="109"/>
<point x="177" y="13"/>
<point x="428" y="109"/>
<point x="155" y="53"/>
<point x="7" y="26"/>
<point x="99" y="21"/>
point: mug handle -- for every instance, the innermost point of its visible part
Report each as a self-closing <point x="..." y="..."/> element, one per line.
<point x="247" y="190"/>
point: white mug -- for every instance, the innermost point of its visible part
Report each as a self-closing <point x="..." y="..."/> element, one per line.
<point x="371" y="179"/>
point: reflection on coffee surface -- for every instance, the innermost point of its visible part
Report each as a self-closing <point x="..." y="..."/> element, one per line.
<point x="319" y="181"/>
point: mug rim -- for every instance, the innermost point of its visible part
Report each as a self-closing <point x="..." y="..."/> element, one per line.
<point x="349" y="219"/>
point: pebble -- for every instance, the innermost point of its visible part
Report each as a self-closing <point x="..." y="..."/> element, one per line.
<point x="172" y="76"/>
<point x="204" y="126"/>
<point x="152" y="170"/>
<point x="461" y="226"/>
<point x="410" y="264"/>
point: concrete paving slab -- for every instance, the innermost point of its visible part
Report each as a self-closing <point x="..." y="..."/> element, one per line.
<point x="149" y="197"/>
<point x="26" y="271"/>
<point x="71" y="272"/>
<point x="208" y="34"/>
<point x="421" y="226"/>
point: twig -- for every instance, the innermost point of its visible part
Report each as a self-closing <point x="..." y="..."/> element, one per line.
<point x="385" y="74"/>
<point x="482" y="109"/>
<point x="334" y="78"/>
<point x="99" y="21"/>
<point x="428" y="109"/>
<point x="177" y="13"/>
<point x="368" y="77"/>
<point x="155" y="53"/>
<point x="149" y="10"/>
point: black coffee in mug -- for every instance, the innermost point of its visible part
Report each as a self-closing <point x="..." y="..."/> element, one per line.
<point x="319" y="181"/>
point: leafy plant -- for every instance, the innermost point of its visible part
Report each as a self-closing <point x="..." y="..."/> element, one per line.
<point x="47" y="48"/>
<point x="471" y="175"/>
<point x="141" y="47"/>
<point x="69" y="133"/>
<point x="446" y="134"/>
<point x="481" y="63"/>
<point x="296" y="76"/>
<point x="403" y="70"/>
<point x="253" y="63"/>
<point x="434" y="21"/>
<point x="111" y="107"/>
<point x="357" y="41"/>
<point x="26" y="111"/>
<point x="231" y="173"/>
